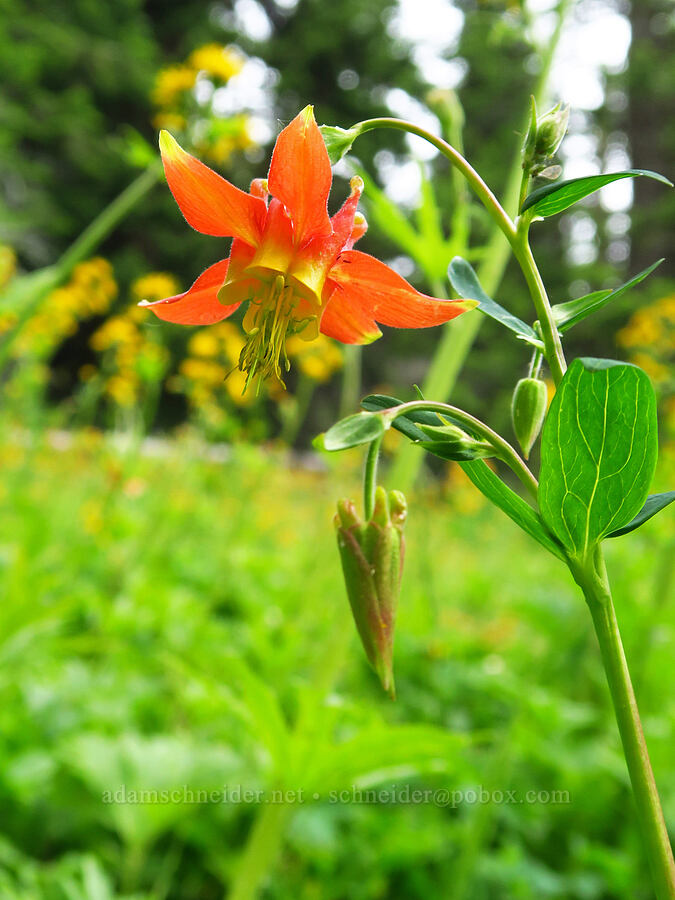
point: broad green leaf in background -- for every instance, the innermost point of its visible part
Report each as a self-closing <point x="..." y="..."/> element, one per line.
<point x="465" y="282"/>
<point x="491" y="485"/>
<point x="361" y="428"/>
<point x="427" y="247"/>
<point x="554" y="198"/>
<point x="383" y="754"/>
<point x="654" y="504"/>
<point x="568" y="314"/>
<point x="598" y="452"/>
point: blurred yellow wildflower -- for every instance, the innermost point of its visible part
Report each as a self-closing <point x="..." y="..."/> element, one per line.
<point x="214" y="59"/>
<point x="90" y="292"/>
<point x="178" y="109"/>
<point x="7" y="264"/>
<point x="155" y="286"/>
<point x="649" y="337"/>
<point x="318" y="359"/>
<point x="171" y="82"/>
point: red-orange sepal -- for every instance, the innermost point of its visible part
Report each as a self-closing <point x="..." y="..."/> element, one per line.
<point x="210" y="203"/>
<point x="199" y="305"/>
<point x="387" y="297"/>
<point x="300" y="176"/>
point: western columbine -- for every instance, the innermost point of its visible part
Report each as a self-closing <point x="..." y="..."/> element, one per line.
<point x="291" y="261"/>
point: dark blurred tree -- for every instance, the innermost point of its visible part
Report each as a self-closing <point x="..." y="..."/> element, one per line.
<point x="650" y="125"/>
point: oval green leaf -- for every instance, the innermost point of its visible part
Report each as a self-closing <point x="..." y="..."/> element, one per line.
<point x="598" y="452"/>
<point x="554" y="198"/>
<point x="361" y="428"/>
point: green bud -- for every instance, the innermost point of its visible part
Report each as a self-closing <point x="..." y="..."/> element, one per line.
<point x="528" y="411"/>
<point x="544" y="136"/>
<point x="450" y="442"/>
<point x="372" y="563"/>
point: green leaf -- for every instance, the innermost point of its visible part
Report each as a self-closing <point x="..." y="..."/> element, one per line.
<point x="466" y="283"/>
<point x="428" y="249"/>
<point x="379" y="755"/>
<point x="598" y="452"/>
<point x="361" y="428"/>
<point x="554" y="198"/>
<point x="654" y="504"/>
<point x="568" y="314"/>
<point x="491" y="485"/>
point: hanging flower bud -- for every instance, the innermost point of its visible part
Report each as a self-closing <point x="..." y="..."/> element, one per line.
<point x="528" y="411"/>
<point x="372" y="562"/>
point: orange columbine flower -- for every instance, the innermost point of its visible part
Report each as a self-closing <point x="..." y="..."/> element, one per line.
<point x="290" y="259"/>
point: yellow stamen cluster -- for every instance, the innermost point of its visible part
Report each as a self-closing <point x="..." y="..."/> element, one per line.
<point x="269" y="322"/>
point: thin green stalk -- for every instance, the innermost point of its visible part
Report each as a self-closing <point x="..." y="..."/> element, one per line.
<point x="591" y="576"/>
<point x="476" y="183"/>
<point x="262" y="849"/>
<point x="265" y="840"/>
<point x="517" y="238"/>
<point x="370" y="479"/>
<point x="505" y="451"/>
<point x="350" y="392"/>
<point x="114" y="213"/>
<point x="457" y="337"/>
<point x="553" y="350"/>
<point x="24" y="294"/>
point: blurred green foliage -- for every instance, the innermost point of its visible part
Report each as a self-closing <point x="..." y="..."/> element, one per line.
<point x="176" y="617"/>
<point x="174" y="622"/>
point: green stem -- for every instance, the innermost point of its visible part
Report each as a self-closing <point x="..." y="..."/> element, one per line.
<point x="457" y="337"/>
<point x="351" y="380"/>
<point x="25" y="294"/>
<point x="262" y="850"/>
<point x="505" y="451"/>
<point x="476" y="183"/>
<point x="591" y="576"/>
<point x="553" y="350"/>
<point x="104" y="223"/>
<point x="370" y="479"/>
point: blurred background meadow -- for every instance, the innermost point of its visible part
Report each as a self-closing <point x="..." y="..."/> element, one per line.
<point x="172" y="616"/>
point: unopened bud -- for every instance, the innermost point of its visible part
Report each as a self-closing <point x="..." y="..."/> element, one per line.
<point x="543" y="138"/>
<point x="450" y="442"/>
<point x="372" y="562"/>
<point x="528" y="411"/>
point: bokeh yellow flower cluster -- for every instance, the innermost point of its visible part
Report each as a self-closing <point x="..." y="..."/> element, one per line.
<point x="7" y="264"/>
<point x="209" y="373"/>
<point x="131" y="358"/>
<point x="90" y="292"/>
<point x="178" y="110"/>
<point x="649" y="337"/>
<point x="318" y="359"/>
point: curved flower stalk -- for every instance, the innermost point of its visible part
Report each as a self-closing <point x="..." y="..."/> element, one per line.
<point x="292" y="262"/>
